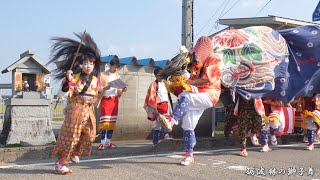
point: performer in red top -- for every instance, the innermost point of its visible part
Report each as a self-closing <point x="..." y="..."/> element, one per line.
<point x="191" y="105"/>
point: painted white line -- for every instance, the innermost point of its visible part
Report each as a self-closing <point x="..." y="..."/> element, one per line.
<point x="202" y="164"/>
<point x="238" y="168"/>
<point x="217" y="162"/>
<point x="174" y="154"/>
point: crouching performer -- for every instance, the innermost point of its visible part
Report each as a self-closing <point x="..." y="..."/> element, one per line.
<point x="311" y="118"/>
<point x="273" y="109"/>
<point x="80" y="84"/>
<point x="191" y="105"/>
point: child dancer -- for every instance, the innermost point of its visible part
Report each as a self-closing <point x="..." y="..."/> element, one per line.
<point x="80" y="84"/>
<point x="157" y="102"/>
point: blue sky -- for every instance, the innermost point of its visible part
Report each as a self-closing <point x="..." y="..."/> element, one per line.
<point x="141" y="28"/>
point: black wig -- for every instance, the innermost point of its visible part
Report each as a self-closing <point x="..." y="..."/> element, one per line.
<point x="64" y="50"/>
<point x="175" y="66"/>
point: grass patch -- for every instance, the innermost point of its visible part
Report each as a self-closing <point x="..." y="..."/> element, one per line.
<point x="57" y="119"/>
<point x="59" y="108"/>
<point x="218" y="132"/>
<point x="2" y="108"/>
<point x="12" y="145"/>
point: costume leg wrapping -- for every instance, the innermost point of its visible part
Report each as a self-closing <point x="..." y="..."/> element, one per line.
<point x="189" y="140"/>
<point x="156" y="135"/>
<point x="181" y="108"/>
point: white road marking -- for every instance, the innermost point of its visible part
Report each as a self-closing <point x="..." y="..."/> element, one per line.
<point x="202" y="164"/>
<point x="174" y="155"/>
<point x="237" y="168"/>
<point x="217" y="162"/>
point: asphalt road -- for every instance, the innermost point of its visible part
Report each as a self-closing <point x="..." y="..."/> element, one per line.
<point x="284" y="162"/>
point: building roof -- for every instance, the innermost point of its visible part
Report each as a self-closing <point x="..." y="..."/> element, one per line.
<point x="135" y="61"/>
<point x="275" y="22"/>
<point x="109" y="58"/>
<point x="28" y="55"/>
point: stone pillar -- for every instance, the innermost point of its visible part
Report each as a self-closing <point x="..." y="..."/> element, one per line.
<point x="28" y="121"/>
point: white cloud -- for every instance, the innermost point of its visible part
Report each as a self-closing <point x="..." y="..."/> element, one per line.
<point x="142" y="50"/>
<point x="113" y="49"/>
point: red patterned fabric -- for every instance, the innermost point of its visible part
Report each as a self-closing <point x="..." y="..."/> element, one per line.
<point x="151" y="98"/>
<point x="232" y="38"/>
<point x="287" y="118"/>
<point x="211" y="72"/>
<point x="203" y="48"/>
<point x="163" y="107"/>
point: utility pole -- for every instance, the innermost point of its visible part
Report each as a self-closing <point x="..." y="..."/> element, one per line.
<point x="187" y="24"/>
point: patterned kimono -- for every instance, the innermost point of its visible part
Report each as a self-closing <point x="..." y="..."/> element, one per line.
<point x="152" y="104"/>
<point x="78" y="130"/>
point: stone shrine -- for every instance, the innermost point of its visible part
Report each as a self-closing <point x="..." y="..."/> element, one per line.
<point x="28" y="113"/>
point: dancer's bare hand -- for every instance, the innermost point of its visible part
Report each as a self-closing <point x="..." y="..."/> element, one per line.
<point x="124" y="89"/>
<point x="119" y="92"/>
<point x="69" y="75"/>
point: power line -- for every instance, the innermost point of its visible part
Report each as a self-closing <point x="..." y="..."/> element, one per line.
<point x="216" y="23"/>
<point x="211" y="17"/>
<point x="259" y="11"/>
<point x="223" y="9"/>
<point x="229" y="9"/>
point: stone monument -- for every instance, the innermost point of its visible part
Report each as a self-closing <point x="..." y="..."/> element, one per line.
<point x="28" y="113"/>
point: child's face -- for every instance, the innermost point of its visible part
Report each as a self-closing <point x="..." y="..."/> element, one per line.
<point x="114" y="68"/>
<point x="87" y="67"/>
<point x="159" y="78"/>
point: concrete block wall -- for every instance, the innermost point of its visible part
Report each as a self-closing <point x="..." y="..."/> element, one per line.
<point x="132" y="119"/>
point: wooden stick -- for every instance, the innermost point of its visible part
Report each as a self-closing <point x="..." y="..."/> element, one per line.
<point x="75" y="57"/>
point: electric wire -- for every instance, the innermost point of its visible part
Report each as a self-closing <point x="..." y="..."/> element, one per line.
<point x="211" y="17"/>
<point x="259" y="11"/>
<point x="217" y="21"/>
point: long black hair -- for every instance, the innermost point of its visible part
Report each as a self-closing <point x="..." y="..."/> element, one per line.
<point x="64" y="50"/>
<point x="175" y="65"/>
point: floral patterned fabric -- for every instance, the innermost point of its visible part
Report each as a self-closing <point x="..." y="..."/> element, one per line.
<point x="249" y="56"/>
